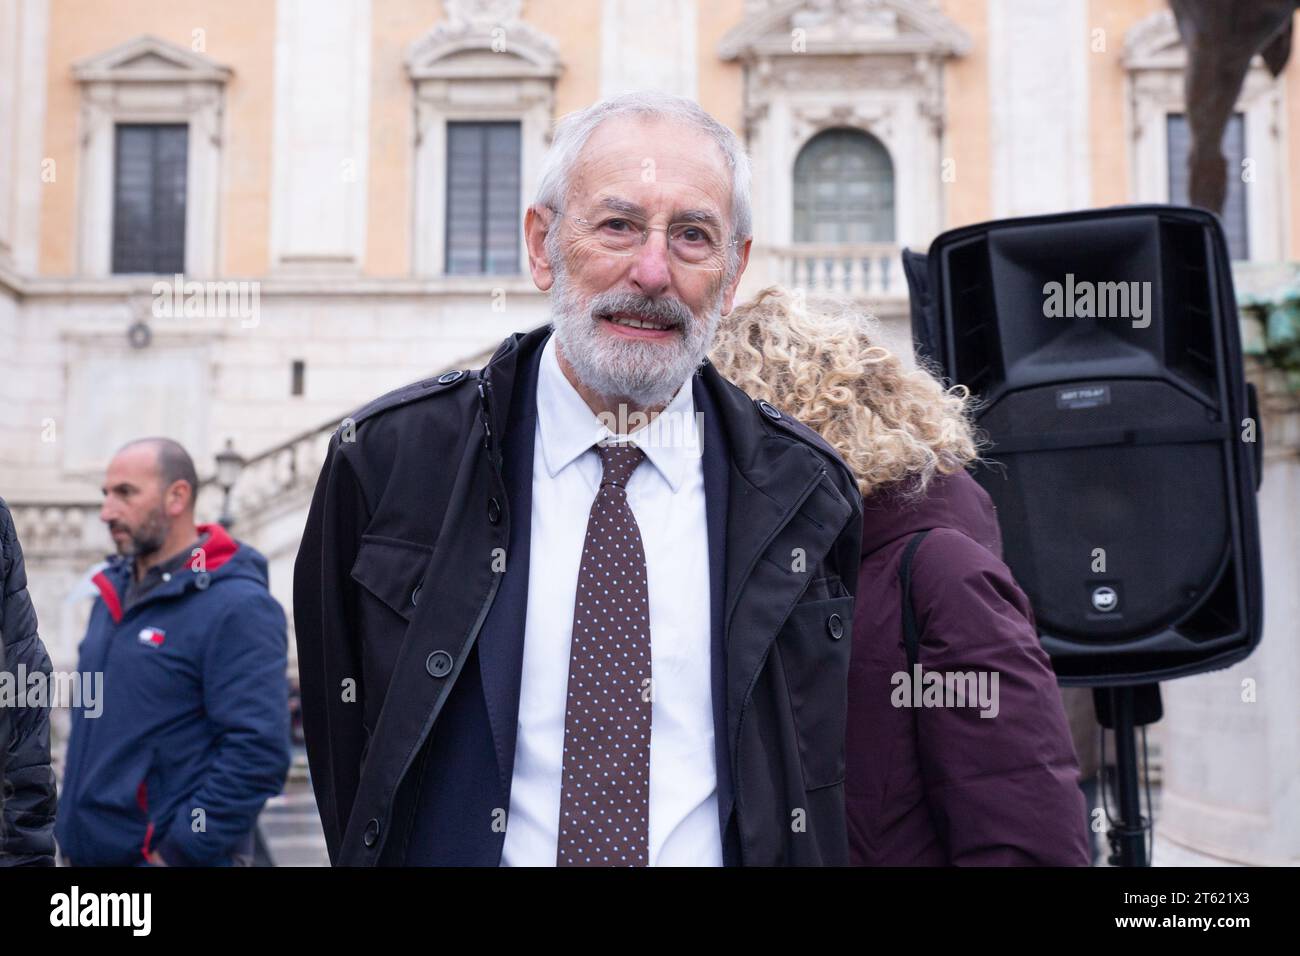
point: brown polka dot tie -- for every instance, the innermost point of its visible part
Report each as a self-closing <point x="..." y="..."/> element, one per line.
<point x="605" y="796"/>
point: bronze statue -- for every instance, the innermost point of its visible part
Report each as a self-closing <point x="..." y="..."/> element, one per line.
<point x="1221" y="37"/>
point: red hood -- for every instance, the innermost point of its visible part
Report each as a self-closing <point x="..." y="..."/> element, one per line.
<point x="951" y="501"/>
<point x="219" y="548"/>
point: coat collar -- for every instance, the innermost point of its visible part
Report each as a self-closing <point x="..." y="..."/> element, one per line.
<point x="762" y="452"/>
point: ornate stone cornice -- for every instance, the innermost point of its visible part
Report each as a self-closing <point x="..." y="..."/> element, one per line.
<point x="811" y="119"/>
<point x="483" y="39"/>
<point x="1153" y="43"/>
<point x="147" y="59"/>
<point x="827" y="27"/>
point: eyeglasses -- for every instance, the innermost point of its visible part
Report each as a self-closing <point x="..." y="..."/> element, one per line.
<point x="692" y="245"/>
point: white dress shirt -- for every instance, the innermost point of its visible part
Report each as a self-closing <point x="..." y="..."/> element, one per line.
<point x="666" y="494"/>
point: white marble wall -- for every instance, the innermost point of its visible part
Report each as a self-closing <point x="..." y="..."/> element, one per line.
<point x="648" y="46"/>
<point x="203" y="380"/>
<point x="12" y="399"/>
<point x="321" y="135"/>
<point x="23" y="27"/>
<point x="1232" y="751"/>
<point x="1038" y="102"/>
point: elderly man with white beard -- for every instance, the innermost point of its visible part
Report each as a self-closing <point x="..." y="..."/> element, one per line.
<point x="585" y="606"/>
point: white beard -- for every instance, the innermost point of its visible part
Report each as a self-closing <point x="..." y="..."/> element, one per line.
<point x="647" y="374"/>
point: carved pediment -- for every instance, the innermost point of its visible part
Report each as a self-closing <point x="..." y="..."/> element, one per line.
<point x="147" y="59"/>
<point x="1153" y="43"/>
<point x="483" y="39"/>
<point x="837" y="27"/>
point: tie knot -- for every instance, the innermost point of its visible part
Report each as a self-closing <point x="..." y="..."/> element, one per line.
<point x="617" y="462"/>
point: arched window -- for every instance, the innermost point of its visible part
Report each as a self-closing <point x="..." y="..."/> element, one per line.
<point x="843" y="189"/>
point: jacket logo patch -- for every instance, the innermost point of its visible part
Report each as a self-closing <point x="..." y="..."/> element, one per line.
<point x="151" y="635"/>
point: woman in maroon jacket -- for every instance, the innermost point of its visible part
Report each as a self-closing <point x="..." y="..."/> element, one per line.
<point x="976" y="770"/>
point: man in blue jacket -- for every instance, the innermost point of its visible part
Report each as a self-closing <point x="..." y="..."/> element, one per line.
<point x="193" y="734"/>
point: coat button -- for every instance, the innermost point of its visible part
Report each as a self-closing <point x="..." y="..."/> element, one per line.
<point x="415" y="595"/>
<point x="446" y="378"/>
<point x="438" y="664"/>
<point x="767" y="409"/>
<point x="371" y="836"/>
<point x="494" y="510"/>
<point x="835" y="626"/>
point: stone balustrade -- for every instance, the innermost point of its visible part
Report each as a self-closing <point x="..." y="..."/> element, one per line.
<point x="869" y="269"/>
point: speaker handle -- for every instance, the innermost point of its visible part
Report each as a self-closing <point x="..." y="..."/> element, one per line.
<point x="1252" y="409"/>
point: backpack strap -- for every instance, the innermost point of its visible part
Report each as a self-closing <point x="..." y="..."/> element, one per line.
<point x="911" y="634"/>
<point x="912" y="639"/>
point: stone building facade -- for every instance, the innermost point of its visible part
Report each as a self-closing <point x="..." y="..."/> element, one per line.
<point x="342" y="179"/>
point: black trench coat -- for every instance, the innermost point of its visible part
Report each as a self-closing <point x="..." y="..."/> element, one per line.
<point x="409" y="632"/>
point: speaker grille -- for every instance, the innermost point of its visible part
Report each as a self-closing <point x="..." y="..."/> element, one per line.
<point x="1119" y="538"/>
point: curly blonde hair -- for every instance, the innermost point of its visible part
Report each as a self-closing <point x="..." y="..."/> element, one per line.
<point x="815" y="358"/>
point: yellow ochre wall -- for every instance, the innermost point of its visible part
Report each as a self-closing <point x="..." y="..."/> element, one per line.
<point x="968" y="197"/>
<point x="240" y="34"/>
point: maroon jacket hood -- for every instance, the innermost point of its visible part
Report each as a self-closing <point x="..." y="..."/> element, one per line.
<point x="951" y="501"/>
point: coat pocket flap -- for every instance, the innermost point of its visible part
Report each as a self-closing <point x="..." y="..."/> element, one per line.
<point x="391" y="569"/>
<point x="815" y="647"/>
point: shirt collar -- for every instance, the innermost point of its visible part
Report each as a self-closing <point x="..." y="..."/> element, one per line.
<point x="568" y="428"/>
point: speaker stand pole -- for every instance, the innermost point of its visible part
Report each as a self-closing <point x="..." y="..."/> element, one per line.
<point x="1128" y="835"/>
<point x="1123" y="710"/>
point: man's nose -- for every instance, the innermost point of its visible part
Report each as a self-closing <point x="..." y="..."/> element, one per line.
<point x="107" y="512"/>
<point x="650" y="265"/>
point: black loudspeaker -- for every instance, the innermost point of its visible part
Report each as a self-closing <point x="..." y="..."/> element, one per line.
<point x="1104" y="349"/>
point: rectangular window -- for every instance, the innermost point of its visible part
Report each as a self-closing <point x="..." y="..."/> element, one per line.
<point x="1233" y="215"/>
<point x="483" y="182"/>
<point x="149" y="184"/>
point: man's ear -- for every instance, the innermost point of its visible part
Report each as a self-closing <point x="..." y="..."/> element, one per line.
<point x="729" y="294"/>
<point x="178" y="498"/>
<point x="537" y="220"/>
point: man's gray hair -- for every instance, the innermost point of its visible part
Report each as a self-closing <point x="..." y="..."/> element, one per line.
<point x="574" y="129"/>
